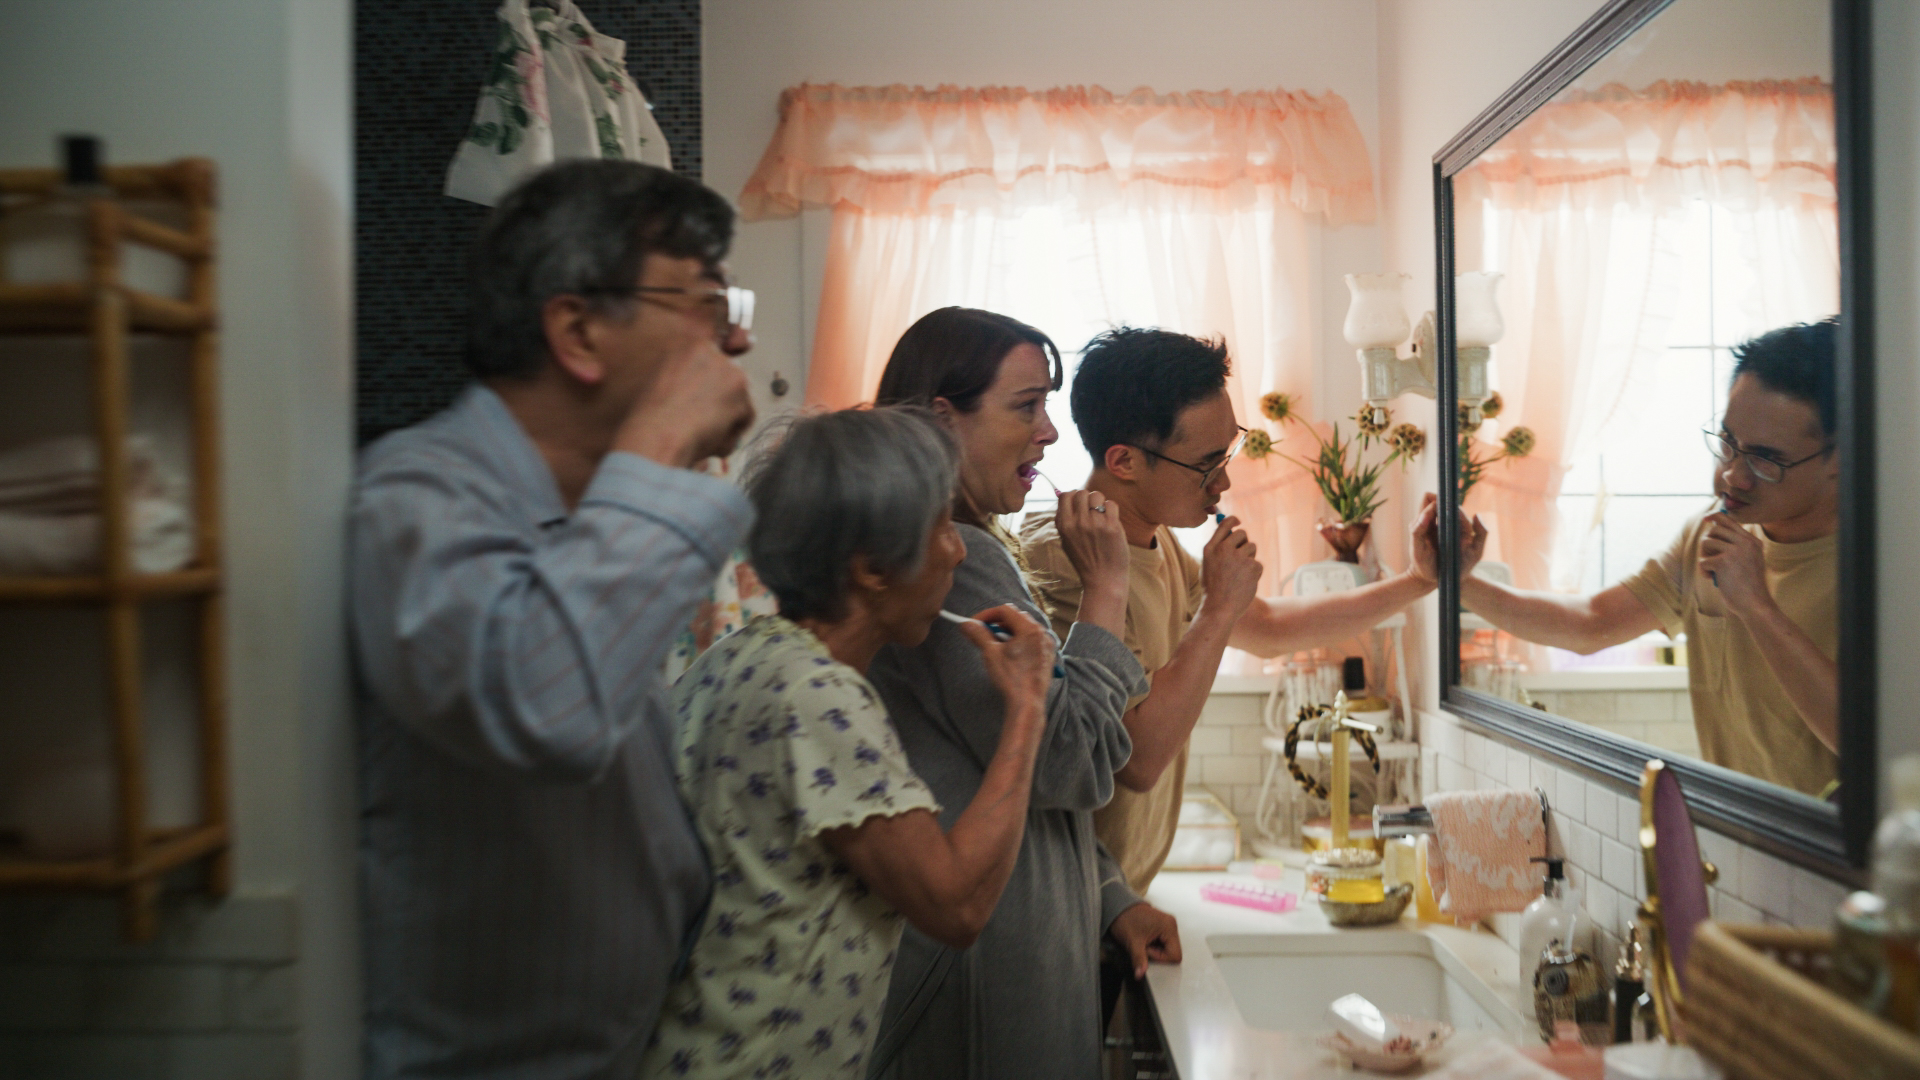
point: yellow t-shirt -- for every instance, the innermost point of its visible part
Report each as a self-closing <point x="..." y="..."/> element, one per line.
<point x="1743" y="716"/>
<point x="1163" y="593"/>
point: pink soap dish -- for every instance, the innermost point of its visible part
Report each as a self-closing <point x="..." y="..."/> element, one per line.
<point x="1250" y="896"/>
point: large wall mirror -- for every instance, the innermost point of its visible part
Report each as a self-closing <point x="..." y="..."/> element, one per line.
<point x="1651" y="260"/>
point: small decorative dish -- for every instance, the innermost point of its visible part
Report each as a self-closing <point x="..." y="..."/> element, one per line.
<point x="1418" y="1038"/>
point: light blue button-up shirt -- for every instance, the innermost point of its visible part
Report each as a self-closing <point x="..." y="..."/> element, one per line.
<point x="529" y="872"/>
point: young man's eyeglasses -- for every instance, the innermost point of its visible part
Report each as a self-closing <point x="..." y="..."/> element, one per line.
<point x="730" y="305"/>
<point x="1770" y="470"/>
<point x="1208" y="473"/>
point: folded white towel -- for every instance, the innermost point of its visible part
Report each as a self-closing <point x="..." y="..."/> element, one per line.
<point x="50" y="509"/>
<point x="70" y="543"/>
<point x="62" y="476"/>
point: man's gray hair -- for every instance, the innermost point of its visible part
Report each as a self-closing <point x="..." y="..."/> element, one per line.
<point x="582" y="228"/>
<point x="869" y="482"/>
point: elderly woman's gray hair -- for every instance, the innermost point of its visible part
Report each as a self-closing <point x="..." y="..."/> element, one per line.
<point x="869" y="482"/>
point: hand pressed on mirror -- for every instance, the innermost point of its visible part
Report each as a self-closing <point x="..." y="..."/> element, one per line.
<point x="1426" y="541"/>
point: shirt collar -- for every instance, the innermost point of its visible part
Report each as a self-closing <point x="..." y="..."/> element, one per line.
<point x="505" y="445"/>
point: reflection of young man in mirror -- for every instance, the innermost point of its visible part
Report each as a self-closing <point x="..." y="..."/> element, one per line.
<point x="1153" y="410"/>
<point x="1752" y="582"/>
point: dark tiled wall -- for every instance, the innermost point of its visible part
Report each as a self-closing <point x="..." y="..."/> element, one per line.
<point x="417" y="71"/>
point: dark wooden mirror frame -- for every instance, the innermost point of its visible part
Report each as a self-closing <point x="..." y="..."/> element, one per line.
<point x="1800" y="829"/>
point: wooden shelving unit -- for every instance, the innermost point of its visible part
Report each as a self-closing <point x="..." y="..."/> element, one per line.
<point x="106" y="311"/>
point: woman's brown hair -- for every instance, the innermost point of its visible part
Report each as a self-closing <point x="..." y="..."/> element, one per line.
<point x="955" y="353"/>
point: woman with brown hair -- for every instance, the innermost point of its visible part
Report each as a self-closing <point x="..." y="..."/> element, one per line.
<point x="1024" y="999"/>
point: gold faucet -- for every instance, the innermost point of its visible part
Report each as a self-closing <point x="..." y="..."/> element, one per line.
<point x="1340" y="796"/>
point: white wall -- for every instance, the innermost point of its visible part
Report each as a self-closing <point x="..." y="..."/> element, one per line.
<point x="753" y="50"/>
<point x="263" y="87"/>
<point x="1441" y="63"/>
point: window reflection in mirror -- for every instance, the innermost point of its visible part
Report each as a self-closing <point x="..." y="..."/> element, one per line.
<point x="1659" y="558"/>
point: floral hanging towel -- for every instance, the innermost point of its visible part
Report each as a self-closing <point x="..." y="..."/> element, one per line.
<point x="556" y="88"/>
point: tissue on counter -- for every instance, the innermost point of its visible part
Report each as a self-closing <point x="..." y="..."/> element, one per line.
<point x="1207" y="836"/>
<point x="1362" y="1022"/>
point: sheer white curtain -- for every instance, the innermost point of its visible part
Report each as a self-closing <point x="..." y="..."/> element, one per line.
<point x="1076" y="209"/>
<point x="1240" y="272"/>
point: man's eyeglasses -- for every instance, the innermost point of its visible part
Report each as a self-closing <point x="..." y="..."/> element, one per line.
<point x="731" y="306"/>
<point x="1764" y="468"/>
<point x="1208" y="473"/>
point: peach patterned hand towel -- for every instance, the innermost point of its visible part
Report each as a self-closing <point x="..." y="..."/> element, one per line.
<point x="1482" y="841"/>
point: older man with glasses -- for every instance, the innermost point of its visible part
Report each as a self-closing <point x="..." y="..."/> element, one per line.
<point x="1153" y="410"/>
<point x="1751" y="580"/>
<point x="520" y="564"/>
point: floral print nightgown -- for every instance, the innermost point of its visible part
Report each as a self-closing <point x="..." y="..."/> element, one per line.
<point x="778" y="743"/>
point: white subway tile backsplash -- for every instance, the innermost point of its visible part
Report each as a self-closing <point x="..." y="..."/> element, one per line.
<point x="1519" y="769"/>
<point x="1815" y="898"/>
<point x="1230" y="770"/>
<point x="1545" y="778"/>
<point x="1249" y="740"/>
<point x="1616" y="864"/>
<point x="1583" y="846"/>
<point x="1628" y="809"/>
<point x="1573" y="795"/>
<point x="1602" y="906"/>
<point x="1475" y="757"/>
<point x="1210" y="739"/>
<point x="1724" y="853"/>
<point x="1766" y="883"/>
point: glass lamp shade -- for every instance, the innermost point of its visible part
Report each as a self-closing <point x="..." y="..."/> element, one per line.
<point x="1376" y="317"/>
<point x="1476" y="308"/>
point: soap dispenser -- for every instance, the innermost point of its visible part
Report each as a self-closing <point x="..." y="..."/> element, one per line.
<point x="1549" y="918"/>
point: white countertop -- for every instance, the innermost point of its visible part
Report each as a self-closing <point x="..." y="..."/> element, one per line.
<point x="1205" y="1032"/>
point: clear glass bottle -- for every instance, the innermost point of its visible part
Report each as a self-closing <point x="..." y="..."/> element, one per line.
<point x="1551" y="917"/>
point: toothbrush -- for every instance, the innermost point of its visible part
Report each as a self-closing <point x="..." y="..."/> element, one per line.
<point x="1711" y="576"/>
<point x="1001" y="633"/>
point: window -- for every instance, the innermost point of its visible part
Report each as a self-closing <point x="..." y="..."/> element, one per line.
<point x="1652" y="472"/>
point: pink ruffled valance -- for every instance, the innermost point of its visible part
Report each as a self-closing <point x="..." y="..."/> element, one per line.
<point x="1738" y="144"/>
<point x="899" y="149"/>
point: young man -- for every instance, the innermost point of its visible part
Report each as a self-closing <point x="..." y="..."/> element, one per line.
<point x="1751" y="582"/>
<point x="518" y="566"/>
<point x="1153" y="410"/>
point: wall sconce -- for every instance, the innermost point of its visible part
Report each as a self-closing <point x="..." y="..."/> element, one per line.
<point x="1377" y="324"/>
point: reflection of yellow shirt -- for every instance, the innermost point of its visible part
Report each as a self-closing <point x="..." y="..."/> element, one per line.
<point x="1742" y="714"/>
<point x="1163" y="593"/>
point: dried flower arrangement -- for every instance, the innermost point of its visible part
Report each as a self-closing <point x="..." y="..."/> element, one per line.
<point x="1347" y="482"/>
<point x="1516" y="443"/>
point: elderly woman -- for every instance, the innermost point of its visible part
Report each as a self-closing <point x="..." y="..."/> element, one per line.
<point x="1024" y="1000"/>
<point x="820" y="834"/>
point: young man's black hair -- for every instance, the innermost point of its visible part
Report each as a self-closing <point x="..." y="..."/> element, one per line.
<point x="1796" y="361"/>
<point x="1133" y="383"/>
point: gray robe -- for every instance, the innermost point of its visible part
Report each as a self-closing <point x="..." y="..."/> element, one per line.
<point x="1024" y="999"/>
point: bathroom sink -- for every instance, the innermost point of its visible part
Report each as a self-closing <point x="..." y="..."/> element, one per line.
<point x="1283" y="982"/>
